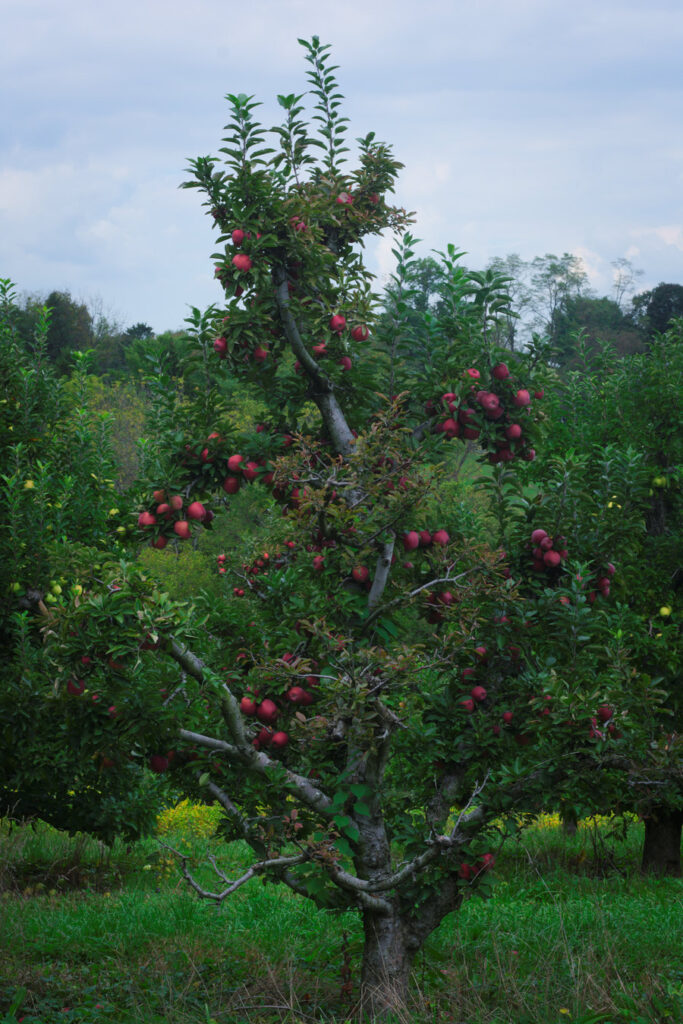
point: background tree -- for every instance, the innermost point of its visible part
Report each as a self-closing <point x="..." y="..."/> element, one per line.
<point x="60" y="518"/>
<point x="655" y="309"/>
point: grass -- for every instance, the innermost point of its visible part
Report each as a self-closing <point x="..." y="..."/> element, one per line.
<point x="572" y="933"/>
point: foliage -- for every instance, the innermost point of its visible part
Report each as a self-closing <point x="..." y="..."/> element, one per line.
<point x="57" y="484"/>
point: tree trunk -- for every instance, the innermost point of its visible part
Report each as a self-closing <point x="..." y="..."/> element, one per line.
<point x="388" y="956"/>
<point x="570" y="824"/>
<point x="662" y="847"/>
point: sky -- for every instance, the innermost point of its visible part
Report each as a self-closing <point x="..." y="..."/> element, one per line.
<point x="525" y="126"/>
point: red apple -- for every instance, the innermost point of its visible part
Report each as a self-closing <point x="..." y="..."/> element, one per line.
<point x="196" y="510"/>
<point x="260" y="354"/>
<point x="467" y="704"/>
<point x="478" y="693"/>
<point x="360" y="333"/>
<point x="235" y="463"/>
<point x="537" y="536"/>
<point x="220" y="347"/>
<point x="361" y="573"/>
<point x="552" y="559"/>
<point x="267" y="712"/>
<point x="441" y="538"/>
<point x="75" y="687"/>
<point x="500" y="372"/>
<point x="507" y="717"/>
<point x="522" y="398"/>
<point x="182" y="529"/>
<point x="411" y="540"/>
<point x="146" y="519"/>
<point x="237" y="236"/>
<point x="158" y="763"/>
<point x="250" y="471"/>
<point x="345" y="363"/>
<point x="279" y="740"/>
<point x="248" y="706"/>
<point x="605" y="713"/>
<point x="337" y="323"/>
<point x="242" y="262"/>
<point x="231" y="484"/>
<point x="160" y="543"/>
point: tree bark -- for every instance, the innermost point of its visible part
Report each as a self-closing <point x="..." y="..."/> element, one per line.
<point x="388" y="954"/>
<point x="662" y="847"/>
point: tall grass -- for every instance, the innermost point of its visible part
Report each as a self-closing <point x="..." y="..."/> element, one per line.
<point x="572" y="933"/>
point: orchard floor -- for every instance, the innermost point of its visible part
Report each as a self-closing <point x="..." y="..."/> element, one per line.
<point x="572" y="933"/>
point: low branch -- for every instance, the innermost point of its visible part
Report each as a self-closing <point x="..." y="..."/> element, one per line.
<point x="275" y="863"/>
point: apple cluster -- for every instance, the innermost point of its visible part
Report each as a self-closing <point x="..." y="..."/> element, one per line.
<point x="267" y="710"/>
<point x="493" y="416"/>
<point x="548" y="553"/>
<point x="171" y="518"/>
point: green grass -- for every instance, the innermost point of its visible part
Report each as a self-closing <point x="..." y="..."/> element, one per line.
<point x="572" y="933"/>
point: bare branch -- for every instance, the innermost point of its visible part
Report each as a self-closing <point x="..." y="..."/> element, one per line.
<point x="275" y="863"/>
<point x="382" y="570"/>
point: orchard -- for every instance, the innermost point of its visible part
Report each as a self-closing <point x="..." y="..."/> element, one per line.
<point x="388" y="684"/>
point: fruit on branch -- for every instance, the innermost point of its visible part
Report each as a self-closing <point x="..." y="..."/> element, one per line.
<point x="231" y="484"/>
<point x="248" y="706"/>
<point x="158" y="763"/>
<point x="196" y="511"/>
<point x="441" y="538"/>
<point x="237" y="236"/>
<point x="360" y="333"/>
<point x="337" y="323"/>
<point x="279" y="740"/>
<point x="478" y="693"/>
<point x="160" y="542"/>
<point x="260" y="354"/>
<point x="345" y="199"/>
<point x="345" y="363"/>
<point x="235" y="463"/>
<point x="75" y="687"/>
<point x="411" y="540"/>
<point x="500" y="372"/>
<point x="361" y="574"/>
<point x="220" y="347"/>
<point x="182" y="529"/>
<point x="267" y="712"/>
<point x="146" y="519"/>
<point x="176" y="502"/>
<point x="242" y="262"/>
<point x="507" y="717"/>
<point x="605" y="713"/>
<point x="521" y="398"/>
<point x="467" y="704"/>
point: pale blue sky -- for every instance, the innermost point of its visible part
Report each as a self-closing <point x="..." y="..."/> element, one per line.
<point x="525" y="126"/>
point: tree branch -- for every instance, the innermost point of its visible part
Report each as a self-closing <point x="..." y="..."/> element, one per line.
<point x="382" y="570"/>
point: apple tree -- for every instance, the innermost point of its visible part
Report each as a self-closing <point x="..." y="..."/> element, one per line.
<point x="357" y="702"/>
<point x="60" y="517"/>
<point x="610" y="484"/>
